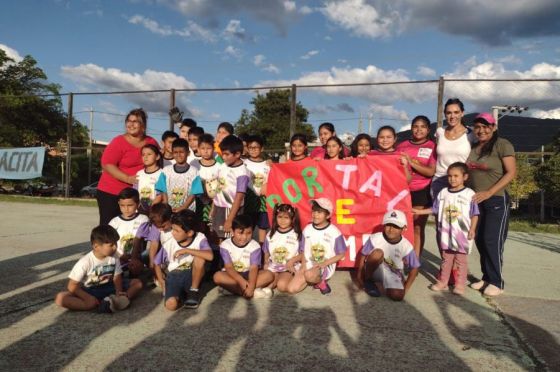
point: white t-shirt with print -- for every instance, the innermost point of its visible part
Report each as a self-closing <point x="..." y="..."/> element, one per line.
<point x="395" y="255"/>
<point x="322" y="244"/>
<point x="258" y="171"/>
<point x="209" y="176"/>
<point x="241" y="257"/>
<point x="171" y="246"/>
<point x="281" y="247"/>
<point x="93" y="272"/>
<point x="127" y="231"/>
<point x="146" y="187"/>
<point x="178" y="185"/>
<point x="231" y="180"/>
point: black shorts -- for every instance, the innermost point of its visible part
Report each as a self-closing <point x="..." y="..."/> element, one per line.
<point x="421" y="198"/>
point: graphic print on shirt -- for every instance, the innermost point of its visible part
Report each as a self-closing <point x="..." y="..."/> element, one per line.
<point x="101" y="274"/>
<point x="126" y="243"/>
<point x="279" y="255"/>
<point x="317" y="253"/>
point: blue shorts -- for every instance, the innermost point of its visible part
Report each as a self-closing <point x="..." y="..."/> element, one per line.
<point x="177" y="283"/>
<point x="262" y="221"/>
<point x="102" y="291"/>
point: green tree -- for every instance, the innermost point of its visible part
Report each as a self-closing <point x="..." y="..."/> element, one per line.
<point x="27" y="117"/>
<point x="523" y="185"/>
<point x="270" y="119"/>
<point x="548" y="179"/>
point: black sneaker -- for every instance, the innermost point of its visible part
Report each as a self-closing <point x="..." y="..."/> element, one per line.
<point x="105" y="306"/>
<point x="371" y="289"/>
<point x="193" y="299"/>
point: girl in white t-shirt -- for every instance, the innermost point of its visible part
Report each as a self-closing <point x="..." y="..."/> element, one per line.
<point x="283" y="249"/>
<point x="146" y="178"/>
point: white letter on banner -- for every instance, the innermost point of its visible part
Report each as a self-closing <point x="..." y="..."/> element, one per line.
<point x="351" y="244"/>
<point x="400" y="196"/>
<point x="373" y="183"/>
<point x="347" y="169"/>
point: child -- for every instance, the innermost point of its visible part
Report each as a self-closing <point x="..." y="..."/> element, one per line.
<point x="186" y="125"/>
<point x="179" y="183"/>
<point x="324" y="246"/>
<point x="258" y="169"/>
<point x="242" y="259"/>
<point x="360" y="146"/>
<point x="147" y="178"/>
<point x="457" y="216"/>
<point x="127" y="224"/>
<point x="386" y="140"/>
<point x="157" y="230"/>
<point x="224" y="129"/>
<point x="96" y="279"/>
<point x="233" y="179"/>
<point x="383" y="258"/>
<point x="334" y="149"/>
<point x="185" y="256"/>
<point x="194" y="135"/>
<point x="283" y="250"/>
<point x="298" y="147"/>
<point x="167" y="139"/>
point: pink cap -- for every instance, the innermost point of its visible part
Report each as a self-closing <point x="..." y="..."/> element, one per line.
<point x="486" y="118"/>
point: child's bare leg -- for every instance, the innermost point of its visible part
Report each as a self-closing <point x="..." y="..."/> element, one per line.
<point x="313" y="275"/>
<point x="419" y="233"/>
<point x="134" y="287"/>
<point x="222" y="279"/>
<point x="197" y="272"/>
<point x="264" y="278"/>
<point x="172" y="303"/>
<point x="297" y="282"/>
<point x="395" y="294"/>
<point x="262" y="236"/>
<point x="71" y="301"/>
<point x="274" y="283"/>
<point x="282" y="281"/>
<point x="373" y="261"/>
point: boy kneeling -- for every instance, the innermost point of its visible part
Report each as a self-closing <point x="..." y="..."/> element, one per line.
<point x="96" y="279"/>
<point x="383" y="257"/>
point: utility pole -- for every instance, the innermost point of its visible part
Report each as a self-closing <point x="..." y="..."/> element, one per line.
<point x="90" y="149"/>
<point x="360" y="124"/>
<point x="370" y="122"/>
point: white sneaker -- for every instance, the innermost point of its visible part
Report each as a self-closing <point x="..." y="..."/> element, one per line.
<point x="269" y="292"/>
<point x="224" y="292"/>
<point x="477" y="285"/>
<point x="260" y="293"/>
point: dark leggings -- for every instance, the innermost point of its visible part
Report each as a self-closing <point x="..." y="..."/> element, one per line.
<point x="108" y="207"/>
<point x="491" y="237"/>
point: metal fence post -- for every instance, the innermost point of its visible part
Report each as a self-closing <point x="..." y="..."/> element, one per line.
<point x="69" y="145"/>
<point x="293" y="105"/>
<point x="171" y="105"/>
<point x="441" y="87"/>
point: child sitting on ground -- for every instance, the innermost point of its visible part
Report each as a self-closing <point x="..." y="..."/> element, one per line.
<point x="185" y="256"/>
<point x="457" y="216"/>
<point x="96" y="279"/>
<point x="242" y="259"/>
<point x="383" y="257"/>
<point x="324" y="246"/>
<point x="127" y="224"/>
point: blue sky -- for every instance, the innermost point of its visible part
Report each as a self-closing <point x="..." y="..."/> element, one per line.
<point x="163" y="44"/>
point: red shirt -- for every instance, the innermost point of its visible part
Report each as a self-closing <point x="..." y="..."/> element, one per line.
<point x="126" y="157"/>
<point x="424" y="154"/>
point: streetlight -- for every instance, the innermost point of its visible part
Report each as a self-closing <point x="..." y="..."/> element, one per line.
<point x="496" y="110"/>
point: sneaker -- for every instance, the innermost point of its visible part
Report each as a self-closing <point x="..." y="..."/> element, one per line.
<point x="438" y="287"/>
<point x="459" y="290"/>
<point x="224" y="292"/>
<point x="323" y="286"/>
<point x="478" y="285"/>
<point x="259" y="293"/>
<point x="119" y="302"/>
<point x="371" y="289"/>
<point x="492" y="291"/>
<point x="193" y="299"/>
<point x="105" y="306"/>
<point x="269" y="292"/>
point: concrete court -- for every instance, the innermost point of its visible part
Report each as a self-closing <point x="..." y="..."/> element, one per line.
<point x="344" y="331"/>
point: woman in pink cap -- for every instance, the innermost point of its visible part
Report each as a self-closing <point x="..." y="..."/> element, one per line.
<point x="491" y="165"/>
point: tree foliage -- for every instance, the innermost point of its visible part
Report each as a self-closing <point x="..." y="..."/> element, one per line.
<point x="270" y="119"/>
<point x="523" y="185"/>
<point x="548" y="178"/>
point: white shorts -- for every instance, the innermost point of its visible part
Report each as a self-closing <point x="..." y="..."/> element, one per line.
<point x="388" y="277"/>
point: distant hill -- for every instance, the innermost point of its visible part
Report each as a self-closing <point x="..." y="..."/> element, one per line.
<point x="526" y="134"/>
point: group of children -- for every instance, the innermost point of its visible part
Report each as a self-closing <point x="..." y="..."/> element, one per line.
<point x="194" y="209"/>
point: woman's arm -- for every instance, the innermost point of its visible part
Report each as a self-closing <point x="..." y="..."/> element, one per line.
<point x="118" y="174"/>
<point x="509" y="174"/>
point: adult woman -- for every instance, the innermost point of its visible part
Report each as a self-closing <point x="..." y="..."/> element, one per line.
<point x="453" y="143"/>
<point x="420" y="154"/>
<point x="491" y="165"/>
<point x="120" y="161"/>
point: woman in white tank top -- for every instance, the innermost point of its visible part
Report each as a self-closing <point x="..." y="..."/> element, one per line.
<point x="453" y="143"/>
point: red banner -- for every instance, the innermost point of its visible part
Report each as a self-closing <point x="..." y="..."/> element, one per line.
<point x="361" y="191"/>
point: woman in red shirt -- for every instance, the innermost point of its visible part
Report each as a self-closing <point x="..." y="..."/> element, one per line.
<point x="120" y="161"/>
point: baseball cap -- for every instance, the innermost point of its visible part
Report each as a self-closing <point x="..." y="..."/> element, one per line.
<point x="323" y="203"/>
<point x="485" y="118"/>
<point x="395" y="217"/>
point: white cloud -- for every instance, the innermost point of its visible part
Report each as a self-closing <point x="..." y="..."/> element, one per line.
<point x="549" y="114"/>
<point x="290" y="6"/>
<point x="231" y="51"/>
<point x="234" y="30"/>
<point x="259" y="61"/>
<point x="11" y="53"/>
<point x="361" y="18"/>
<point x="327" y="38"/>
<point x="309" y="54"/>
<point x="98" y="78"/>
<point x="425" y="71"/>
<point x="305" y="10"/>
<point x="192" y="31"/>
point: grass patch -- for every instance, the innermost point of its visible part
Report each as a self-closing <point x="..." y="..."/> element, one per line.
<point x="48" y="200"/>
<point x="531" y="226"/>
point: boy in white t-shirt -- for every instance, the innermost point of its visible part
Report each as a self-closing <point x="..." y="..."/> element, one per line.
<point x="167" y="139"/>
<point x="242" y="258"/>
<point x="96" y="279"/>
<point x="179" y="183"/>
<point x="258" y="169"/>
<point x="127" y="224"/>
<point x="383" y="257"/>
